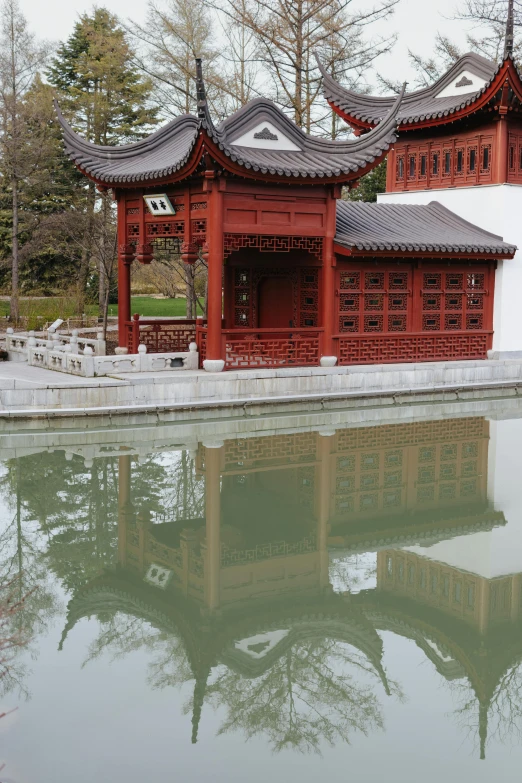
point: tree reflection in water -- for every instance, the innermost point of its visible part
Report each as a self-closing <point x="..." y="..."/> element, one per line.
<point x="307" y="698"/>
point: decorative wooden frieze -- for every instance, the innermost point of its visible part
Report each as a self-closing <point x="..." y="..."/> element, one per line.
<point x="272" y="244"/>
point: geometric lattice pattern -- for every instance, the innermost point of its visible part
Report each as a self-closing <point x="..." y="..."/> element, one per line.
<point x="260" y="349"/>
<point x="273" y="244"/>
<point x="374" y="301"/>
<point x="403" y="314"/>
<point x="267" y="551"/>
<point x="439" y="162"/>
<point x="248" y="453"/>
<point x="373" y="466"/>
<point x="161" y="336"/>
<point x="358" y="349"/>
<point x="453" y="301"/>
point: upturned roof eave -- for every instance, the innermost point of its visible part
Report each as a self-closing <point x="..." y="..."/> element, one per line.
<point x="190" y="137"/>
<point x="365" y="118"/>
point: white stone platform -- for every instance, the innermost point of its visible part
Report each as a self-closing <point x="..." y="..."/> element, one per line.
<point x="30" y="391"/>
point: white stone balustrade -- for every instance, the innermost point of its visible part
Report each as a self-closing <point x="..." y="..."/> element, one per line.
<point x="77" y="343"/>
<point x="62" y="361"/>
<point x="147" y="362"/>
<point x="19" y="343"/>
<point x="87" y="365"/>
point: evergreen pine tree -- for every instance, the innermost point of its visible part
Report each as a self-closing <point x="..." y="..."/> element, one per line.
<point x="108" y="102"/>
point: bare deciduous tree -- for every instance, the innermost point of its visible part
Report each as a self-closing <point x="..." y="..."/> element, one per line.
<point x="171" y="39"/>
<point x="20" y="58"/>
<point x="286" y="34"/>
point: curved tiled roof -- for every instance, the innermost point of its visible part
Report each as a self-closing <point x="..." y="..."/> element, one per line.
<point x="416" y="106"/>
<point x="412" y="227"/>
<point x="168" y="150"/>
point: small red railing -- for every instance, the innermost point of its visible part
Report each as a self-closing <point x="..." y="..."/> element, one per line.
<point x="242" y="348"/>
<point x="412" y="347"/>
<point x="167" y="335"/>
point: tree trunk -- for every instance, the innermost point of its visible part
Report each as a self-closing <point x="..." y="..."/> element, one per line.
<point x="299" y="67"/>
<point x="83" y="272"/>
<point x="15" y="304"/>
<point x="101" y="290"/>
<point x="189" y="280"/>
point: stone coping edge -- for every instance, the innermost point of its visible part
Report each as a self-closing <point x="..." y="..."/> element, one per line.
<point x="396" y="395"/>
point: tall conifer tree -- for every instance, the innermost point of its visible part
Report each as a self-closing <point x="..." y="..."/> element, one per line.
<point x="108" y="102"/>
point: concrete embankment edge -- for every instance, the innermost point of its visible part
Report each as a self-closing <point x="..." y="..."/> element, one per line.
<point x="262" y="405"/>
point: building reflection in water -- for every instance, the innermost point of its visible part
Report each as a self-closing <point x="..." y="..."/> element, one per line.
<point x="243" y="581"/>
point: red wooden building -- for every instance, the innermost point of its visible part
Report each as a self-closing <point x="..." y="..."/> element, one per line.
<point x="296" y="276"/>
<point x="460" y="143"/>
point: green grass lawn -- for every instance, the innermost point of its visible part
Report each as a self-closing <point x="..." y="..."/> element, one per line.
<point x="52" y="307"/>
<point x="148" y="306"/>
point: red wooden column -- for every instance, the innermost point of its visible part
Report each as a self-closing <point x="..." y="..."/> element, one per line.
<point x="328" y="277"/>
<point x="212" y="548"/>
<point x="125" y="256"/>
<point x="502" y="139"/>
<point x="325" y="447"/>
<point x="390" y="171"/>
<point x="215" y="272"/>
<point x="502" y="150"/>
<point x="124" y="504"/>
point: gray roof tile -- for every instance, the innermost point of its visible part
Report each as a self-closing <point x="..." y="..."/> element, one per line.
<point x="168" y="149"/>
<point x="416" y="106"/>
<point x="412" y="227"/>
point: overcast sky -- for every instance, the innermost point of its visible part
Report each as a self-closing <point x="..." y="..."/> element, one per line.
<point x="415" y="21"/>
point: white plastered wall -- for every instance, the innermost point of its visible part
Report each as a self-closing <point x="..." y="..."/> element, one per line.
<point x="496" y="208"/>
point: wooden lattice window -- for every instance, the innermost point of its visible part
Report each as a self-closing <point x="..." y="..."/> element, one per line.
<point x="459" y="164"/>
<point x="485" y="158"/>
<point x="447" y="155"/>
<point x="453" y="301"/>
<point x="374" y="302"/>
<point x="309" y="297"/>
<point x="242" y="297"/>
<point x="400" y="168"/>
<point x="412" y="166"/>
<point x="472" y="160"/>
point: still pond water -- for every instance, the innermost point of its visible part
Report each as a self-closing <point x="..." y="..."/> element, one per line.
<point x="339" y="603"/>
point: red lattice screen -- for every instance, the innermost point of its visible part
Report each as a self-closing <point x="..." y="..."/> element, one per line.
<point x="167" y="336"/>
<point x="446" y="162"/>
<point x="272" y="348"/>
<point x="409" y="466"/>
<point x="413" y="314"/>
<point x="359" y="349"/>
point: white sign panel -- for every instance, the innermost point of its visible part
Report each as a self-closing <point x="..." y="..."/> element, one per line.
<point x="159" y="205"/>
<point x="157" y="576"/>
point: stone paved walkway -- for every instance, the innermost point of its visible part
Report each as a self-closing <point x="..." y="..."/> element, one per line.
<point x="18" y="375"/>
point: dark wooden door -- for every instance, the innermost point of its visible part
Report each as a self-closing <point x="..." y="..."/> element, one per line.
<point x="275" y="303"/>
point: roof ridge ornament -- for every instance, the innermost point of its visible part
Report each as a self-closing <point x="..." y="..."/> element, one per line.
<point x="267" y="134"/>
<point x="201" y="97"/>
<point x="509" y="42"/>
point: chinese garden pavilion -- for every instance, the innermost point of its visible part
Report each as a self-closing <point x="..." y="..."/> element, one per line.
<point x="296" y="276"/>
<point x="460" y="143"/>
